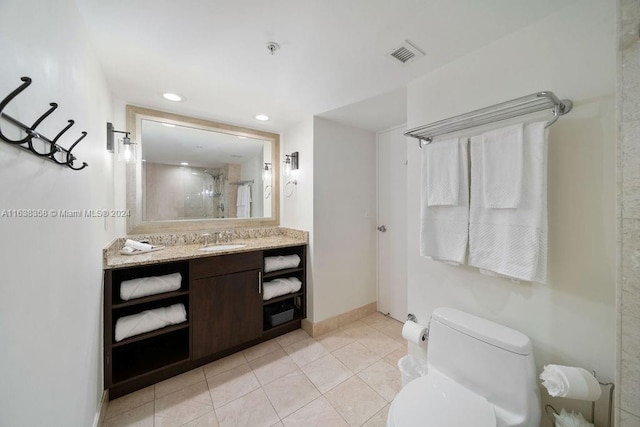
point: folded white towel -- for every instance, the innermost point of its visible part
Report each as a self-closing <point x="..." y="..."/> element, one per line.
<point x="512" y="242"/>
<point x="137" y="245"/>
<point x="443" y="172"/>
<point x="149" y="320"/>
<point x="280" y="286"/>
<point x="502" y="167"/>
<point x="570" y="382"/>
<point x="444" y="230"/>
<point x="273" y="263"/>
<point x="144" y="286"/>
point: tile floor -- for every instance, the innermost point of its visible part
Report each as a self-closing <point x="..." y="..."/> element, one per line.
<point x="346" y="377"/>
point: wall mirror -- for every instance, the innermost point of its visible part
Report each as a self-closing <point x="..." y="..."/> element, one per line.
<point x="192" y="174"/>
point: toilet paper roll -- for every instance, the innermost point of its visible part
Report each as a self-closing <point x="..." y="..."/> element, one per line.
<point x="570" y="382"/>
<point x="413" y="332"/>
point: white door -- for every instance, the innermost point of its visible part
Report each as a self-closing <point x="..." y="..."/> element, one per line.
<point x="392" y="223"/>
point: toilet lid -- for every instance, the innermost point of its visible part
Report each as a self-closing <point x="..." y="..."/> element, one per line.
<point x="436" y="400"/>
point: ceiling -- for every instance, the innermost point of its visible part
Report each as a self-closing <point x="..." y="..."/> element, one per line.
<point x="333" y="53"/>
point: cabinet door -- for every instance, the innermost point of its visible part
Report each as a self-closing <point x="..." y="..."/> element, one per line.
<point x="227" y="311"/>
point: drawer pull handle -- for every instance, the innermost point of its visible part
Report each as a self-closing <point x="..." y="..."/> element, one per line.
<point x="259" y="282"/>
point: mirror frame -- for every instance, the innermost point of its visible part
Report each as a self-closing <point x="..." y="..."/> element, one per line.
<point x="135" y="224"/>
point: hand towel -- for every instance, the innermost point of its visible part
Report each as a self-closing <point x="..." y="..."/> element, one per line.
<point x="570" y="382"/>
<point x="443" y="172"/>
<point x="502" y="167"/>
<point x="444" y="230"/>
<point x="145" y="286"/>
<point x="273" y="263"/>
<point x="280" y="286"/>
<point x="512" y="242"/>
<point x="149" y="320"/>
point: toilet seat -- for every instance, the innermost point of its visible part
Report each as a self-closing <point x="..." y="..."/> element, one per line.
<point x="438" y="401"/>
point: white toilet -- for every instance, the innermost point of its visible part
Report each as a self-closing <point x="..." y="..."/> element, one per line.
<point x="480" y="374"/>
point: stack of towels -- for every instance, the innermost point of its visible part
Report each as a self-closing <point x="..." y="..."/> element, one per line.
<point x="498" y="211"/>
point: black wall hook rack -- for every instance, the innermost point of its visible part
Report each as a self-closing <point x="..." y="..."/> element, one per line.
<point x="55" y="152"/>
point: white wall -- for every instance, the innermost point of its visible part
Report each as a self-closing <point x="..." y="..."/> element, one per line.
<point x="344" y="219"/>
<point x="297" y="211"/>
<point x="571" y="319"/>
<point x="50" y="297"/>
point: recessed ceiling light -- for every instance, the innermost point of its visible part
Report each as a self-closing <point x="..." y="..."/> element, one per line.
<point x="143" y="160"/>
<point x="169" y="125"/>
<point x="242" y="137"/>
<point x="173" y="97"/>
<point x="262" y="117"/>
<point x="184" y="164"/>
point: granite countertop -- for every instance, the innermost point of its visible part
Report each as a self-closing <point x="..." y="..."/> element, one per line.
<point x="187" y="246"/>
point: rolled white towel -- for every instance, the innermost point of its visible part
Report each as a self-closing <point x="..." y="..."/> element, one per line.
<point x="273" y="263"/>
<point x="137" y="245"/>
<point x="144" y="286"/>
<point x="570" y="382"/>
<point x="280" y="286"/>
<point x="149" y="320"/>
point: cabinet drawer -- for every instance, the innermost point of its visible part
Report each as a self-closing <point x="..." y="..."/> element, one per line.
<point x="225" y="264"/>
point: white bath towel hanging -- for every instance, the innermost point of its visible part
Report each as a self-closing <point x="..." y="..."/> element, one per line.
<point x="512" y="242"/>
<point x="502" y="185"/>
<point x="243" y="203"/>
<point x="443" y="173"/>
<point x="444" y="229"/>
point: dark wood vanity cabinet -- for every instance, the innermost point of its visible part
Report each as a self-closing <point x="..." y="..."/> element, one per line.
<point x="226" y="306"/>
<point x="223" y="299"/>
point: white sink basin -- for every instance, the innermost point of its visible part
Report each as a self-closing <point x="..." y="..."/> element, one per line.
<point x="215" y="248"/>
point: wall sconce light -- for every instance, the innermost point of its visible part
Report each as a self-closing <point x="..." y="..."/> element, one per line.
<point x="266" y="179"/>
<point x="290" y="165"/>
<point x="126" y="147"/>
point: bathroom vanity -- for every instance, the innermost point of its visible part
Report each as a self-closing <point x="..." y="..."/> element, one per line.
<point x="222" y="292"/>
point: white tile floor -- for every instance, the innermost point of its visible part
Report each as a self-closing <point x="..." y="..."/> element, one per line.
<point x="346" y="377"/>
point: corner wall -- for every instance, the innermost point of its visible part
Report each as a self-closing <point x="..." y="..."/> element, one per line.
<point x="571" y="319"/>
<point x="51" y="286"/>
<point x="628" y="378"/>
<point x="344" y="219"/>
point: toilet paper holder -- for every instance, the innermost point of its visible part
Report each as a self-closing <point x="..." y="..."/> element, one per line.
<point x="593" y="404"/>
<point x="412" y="317"/>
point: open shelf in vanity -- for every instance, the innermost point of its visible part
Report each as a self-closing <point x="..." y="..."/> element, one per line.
<point x="222" y="296"/>
<point x="295" y="301"/>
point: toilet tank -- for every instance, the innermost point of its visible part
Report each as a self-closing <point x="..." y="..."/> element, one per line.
<point x="490" y="359"/>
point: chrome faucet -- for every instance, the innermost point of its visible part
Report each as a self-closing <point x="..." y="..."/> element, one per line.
<point x="227" y="235"/>
<point x="218" y="234"/>
<point x="206" y="238"/>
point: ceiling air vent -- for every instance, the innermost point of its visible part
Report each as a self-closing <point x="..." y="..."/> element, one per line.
<point x="406" y="52"/>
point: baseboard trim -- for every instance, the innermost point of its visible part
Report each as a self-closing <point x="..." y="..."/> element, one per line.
<point x="102" y="409"/>
<point x="331" y="324"/>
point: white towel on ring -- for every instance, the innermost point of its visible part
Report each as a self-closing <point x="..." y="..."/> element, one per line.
<point x="444" y="230"/>
<point x="512" y="242"/>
